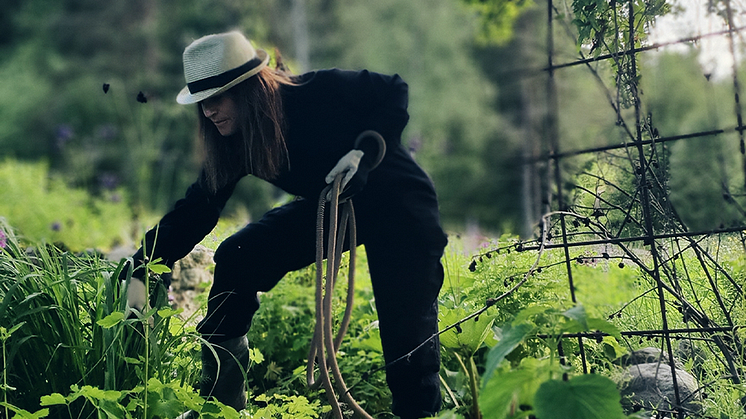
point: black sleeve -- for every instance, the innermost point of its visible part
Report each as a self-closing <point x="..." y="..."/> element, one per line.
<point x="389" y="115"/>
<point x="176" y="234"/>
<point x="383" y="99"/>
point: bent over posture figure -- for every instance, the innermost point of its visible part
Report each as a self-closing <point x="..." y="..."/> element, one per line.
<point x="298" y="132"/>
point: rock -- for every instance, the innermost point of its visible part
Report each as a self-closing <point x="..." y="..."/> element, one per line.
<point x="194" y="269"/>
<point x="646" y="356"/>
<point x="650" y="386"/>
<point x="187" y="279"/>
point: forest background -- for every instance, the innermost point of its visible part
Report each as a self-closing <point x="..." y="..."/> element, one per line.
<point x="94" y="149"/>
<point x="87" y="105"/>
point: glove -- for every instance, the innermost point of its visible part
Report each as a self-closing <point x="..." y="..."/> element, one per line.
<point x="348" y="164"/>
<point x="369" y="151"/>
<point x="136" y="297"/>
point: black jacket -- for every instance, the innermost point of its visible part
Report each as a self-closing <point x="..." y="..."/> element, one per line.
<point x="325" y="113"/>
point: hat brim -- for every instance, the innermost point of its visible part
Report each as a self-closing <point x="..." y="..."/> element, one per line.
<point x="185" y="97"/>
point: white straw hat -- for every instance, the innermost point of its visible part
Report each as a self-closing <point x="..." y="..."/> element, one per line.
<point x="215" y="63"/>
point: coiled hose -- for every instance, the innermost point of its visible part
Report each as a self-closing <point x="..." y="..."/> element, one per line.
<point x="323" y="347"/>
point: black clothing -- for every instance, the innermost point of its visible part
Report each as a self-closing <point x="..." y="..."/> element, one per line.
<point x="397" y="219"/>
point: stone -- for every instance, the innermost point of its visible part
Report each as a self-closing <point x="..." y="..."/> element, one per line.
<point x="646" y="356"/>
<point x="187" y="278"/>
<point x="650" y="386"/>
<point x="194" y="269"/>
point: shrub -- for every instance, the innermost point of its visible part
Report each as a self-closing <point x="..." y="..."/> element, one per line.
<point x="43" y="208"/>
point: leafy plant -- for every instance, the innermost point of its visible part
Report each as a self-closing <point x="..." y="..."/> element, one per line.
<point x="530" y="385"/>
<point x="605" y="25"/>
<point x="68" y="311"/>
<point x="43" y="207"/>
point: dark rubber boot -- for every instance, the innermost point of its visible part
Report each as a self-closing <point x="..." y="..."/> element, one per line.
<point x="224" y="368"/>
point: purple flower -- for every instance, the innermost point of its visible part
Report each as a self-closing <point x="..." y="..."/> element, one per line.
<point x="64" y="134"/>
<point x="3" y="240"/>
<point x="108" y="181"/>
<point x="56" y="226"/>
<point x="106" y="132"/>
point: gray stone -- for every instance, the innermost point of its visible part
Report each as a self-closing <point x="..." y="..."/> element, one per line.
<point x="646" y="356"/>
<point x="187" y="279"/>
<point x="194" y="269"/>
<point x="650" y="386"/>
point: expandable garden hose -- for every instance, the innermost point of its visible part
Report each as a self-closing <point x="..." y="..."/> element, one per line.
<point x="323" y="348"/>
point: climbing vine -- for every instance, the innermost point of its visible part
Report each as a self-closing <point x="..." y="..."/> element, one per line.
<point x="604" y="25"/>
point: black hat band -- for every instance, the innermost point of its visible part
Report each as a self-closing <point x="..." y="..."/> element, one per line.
<point x="222" y="79"/>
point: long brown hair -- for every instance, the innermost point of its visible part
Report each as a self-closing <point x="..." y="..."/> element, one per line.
<point x="258" y="147"/>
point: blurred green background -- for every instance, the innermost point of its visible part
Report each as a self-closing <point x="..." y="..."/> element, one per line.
<point x="80" y="159"/>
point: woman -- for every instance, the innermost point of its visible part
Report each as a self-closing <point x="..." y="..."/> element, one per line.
<point x="298" y="133"/>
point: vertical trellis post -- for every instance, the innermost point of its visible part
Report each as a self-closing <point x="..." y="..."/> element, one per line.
<point x="646" y="209"/>
<point x="552" y="134"/>
<point x="736" y="87"/>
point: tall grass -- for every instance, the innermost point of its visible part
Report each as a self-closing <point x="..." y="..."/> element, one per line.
<point x="69" y="344"/>
<point x="69" y="330"/>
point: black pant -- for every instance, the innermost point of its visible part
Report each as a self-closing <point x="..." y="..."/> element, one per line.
<point x="406" y="274"/>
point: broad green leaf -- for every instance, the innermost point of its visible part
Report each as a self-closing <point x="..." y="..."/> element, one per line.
<point x="587" y="396"/>
<point x="512" y="336"/>
<point x="53" y="399"/>
<point x="169" y="312"/>
<point x="604" y="326"/>
<point x="469" y="335"/>
<point x="93" y="392"/>
<point x="577" y="313"/>
<point x="169" y="408"/>
<point x="112" y="395"/>
<point x="111" y="320"/>
<point x="529" y="312"/>
<point x="509" y="389"/>
<point x="158" y="268"/>
<point x="115" y="410"/>
<point x="612" y="348"/>
<point x="255" y="355"/>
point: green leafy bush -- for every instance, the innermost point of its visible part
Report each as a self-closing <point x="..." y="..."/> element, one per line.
<point x="44" y="208"/>
<point x="505" y="313"/>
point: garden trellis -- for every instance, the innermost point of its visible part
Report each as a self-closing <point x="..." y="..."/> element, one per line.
<point x="590" y="215"/>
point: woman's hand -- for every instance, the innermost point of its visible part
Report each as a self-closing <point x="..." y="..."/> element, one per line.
<point x="348" y="163"/>
<point x="136" y="297"/>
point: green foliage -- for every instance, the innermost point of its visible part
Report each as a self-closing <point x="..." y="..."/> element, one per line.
<point x="286" y="407"/>
<point x="582" y="397"/>
<point x="469" y="336"/>
<point x="497" y="18"/>
<point x="505" y="363"/>
<point x="527" y="383"/>
<point x="69" y="311"/>
<point x="20" y="110"/>
<point x="43" y="207"/>
<point x="605" y="26"/>
<point x="282" y="330"/>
